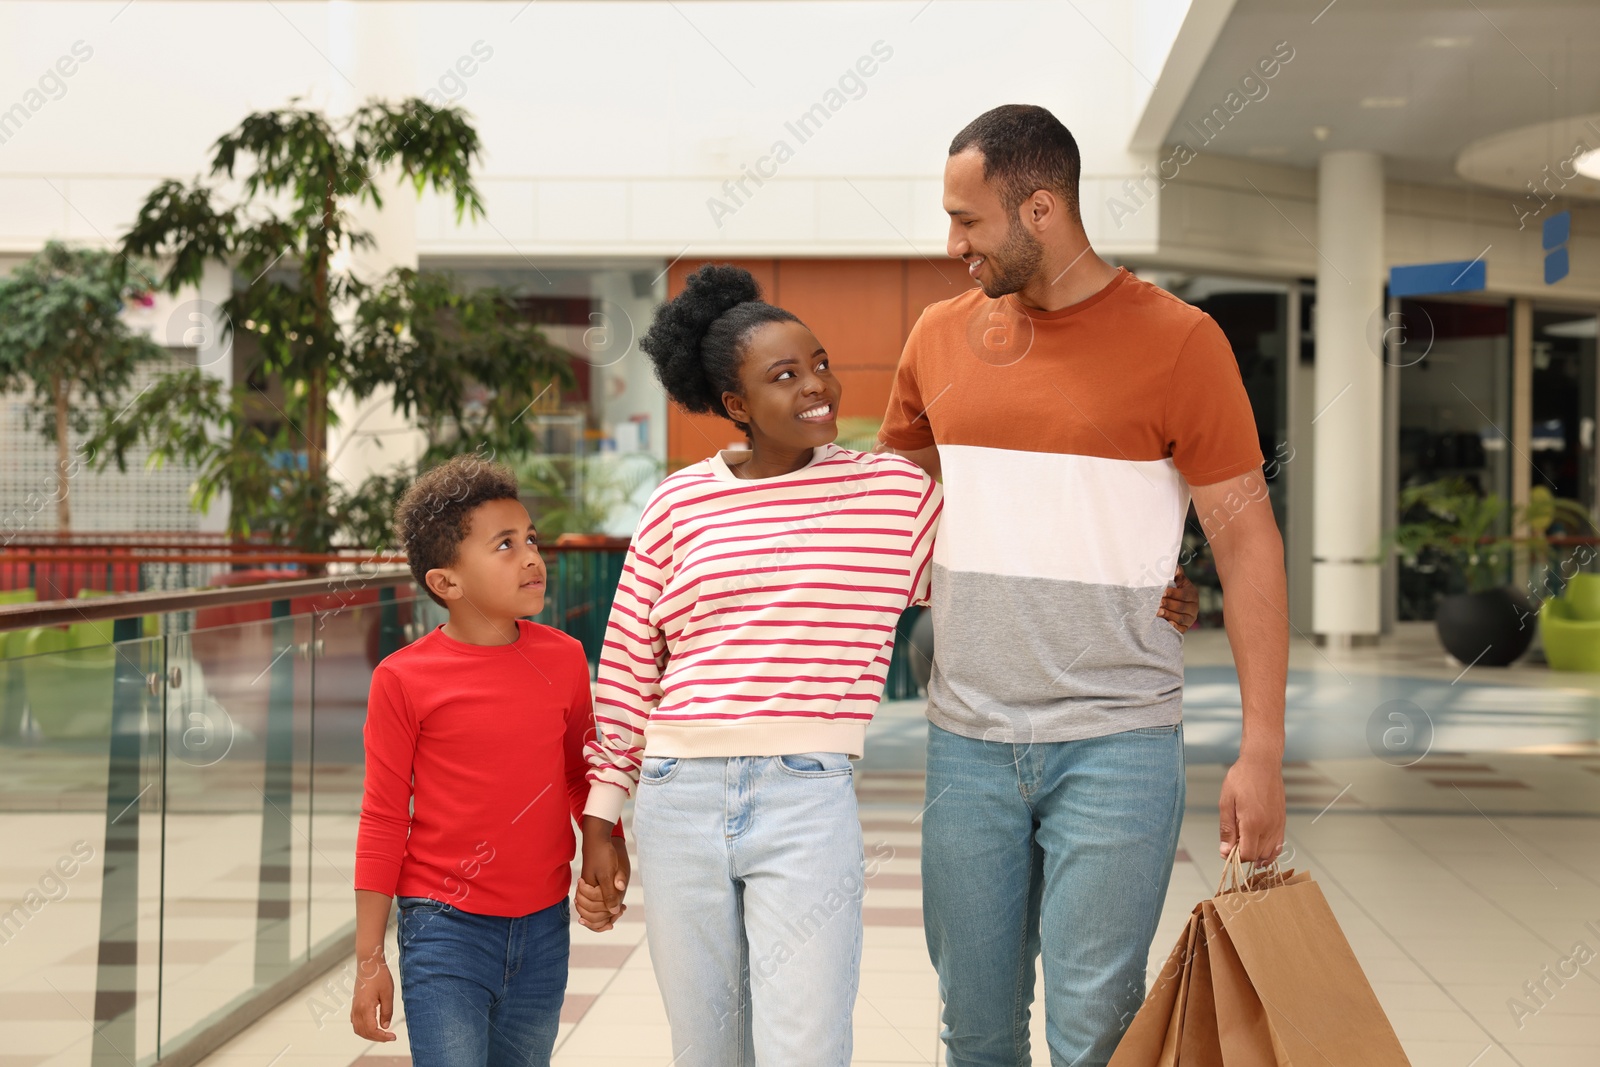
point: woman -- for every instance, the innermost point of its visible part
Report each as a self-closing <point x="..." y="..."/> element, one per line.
<point x="745" y="654"/>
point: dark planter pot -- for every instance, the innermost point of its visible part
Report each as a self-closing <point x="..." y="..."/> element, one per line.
<point x="1490" y="629"/>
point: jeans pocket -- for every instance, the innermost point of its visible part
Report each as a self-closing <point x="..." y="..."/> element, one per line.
<point x="815" y="764"/>
<point x="655" y="770"/>
<point x="1157" y="731"/>
<point x="421" y="904"/>
<point x="421" y="920"/>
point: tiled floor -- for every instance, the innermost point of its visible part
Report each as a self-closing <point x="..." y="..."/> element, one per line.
<point x="1458" y="846"/>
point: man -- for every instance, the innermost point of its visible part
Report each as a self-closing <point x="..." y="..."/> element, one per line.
<point x="1075" y="411"/>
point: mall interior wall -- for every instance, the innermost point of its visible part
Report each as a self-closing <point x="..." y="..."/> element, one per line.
<point x="722" y="128"/>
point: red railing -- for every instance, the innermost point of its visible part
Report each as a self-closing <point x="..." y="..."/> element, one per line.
<point x="60" y="568"/>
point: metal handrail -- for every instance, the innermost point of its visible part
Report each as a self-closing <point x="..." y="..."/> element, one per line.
<point x="135" y="605"/>
<point x="124" y="536"/>
<point x="145" y="544"/>
<point x="122" y="554"/>
<point x="138" y="554"/>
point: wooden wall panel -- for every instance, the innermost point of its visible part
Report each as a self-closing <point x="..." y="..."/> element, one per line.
<point x="930" y="281"/>
<point x="852" y="305"/>
<point x="866" y="392"/>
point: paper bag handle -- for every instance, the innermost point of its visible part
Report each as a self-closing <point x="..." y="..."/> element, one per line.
<point x="1234" y="877"/>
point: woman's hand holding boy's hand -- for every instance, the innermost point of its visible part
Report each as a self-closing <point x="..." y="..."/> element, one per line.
<point x="604" y="879"/>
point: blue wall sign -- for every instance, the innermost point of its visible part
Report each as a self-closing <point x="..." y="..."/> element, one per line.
<point x="1455" y="276"/>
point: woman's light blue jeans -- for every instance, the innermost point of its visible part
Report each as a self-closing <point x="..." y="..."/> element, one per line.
<point x="1063" y="846"/>
<point x="753" y="877"/>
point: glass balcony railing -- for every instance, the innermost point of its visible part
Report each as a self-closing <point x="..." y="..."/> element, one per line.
<point x="179" y="793"/>
<point x="180" y="786"/>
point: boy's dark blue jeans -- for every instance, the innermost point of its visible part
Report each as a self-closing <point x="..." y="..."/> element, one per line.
<point x="482" y="990"/>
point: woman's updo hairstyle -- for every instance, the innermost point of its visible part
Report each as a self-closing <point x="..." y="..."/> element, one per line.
<point x="697" y="338"/>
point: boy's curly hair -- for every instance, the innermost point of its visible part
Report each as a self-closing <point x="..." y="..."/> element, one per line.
<point x="434" y="512"/>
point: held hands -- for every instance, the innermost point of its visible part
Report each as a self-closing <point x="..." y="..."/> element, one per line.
<point x="372" y="1007"/>
<point x="1180" y="604"/>
<point x="604" y="879"/>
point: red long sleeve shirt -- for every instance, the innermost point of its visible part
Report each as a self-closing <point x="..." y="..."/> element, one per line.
<point x="475" y="771"/>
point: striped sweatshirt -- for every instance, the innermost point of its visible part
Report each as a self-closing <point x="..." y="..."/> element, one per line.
<point x="755" y="617"/>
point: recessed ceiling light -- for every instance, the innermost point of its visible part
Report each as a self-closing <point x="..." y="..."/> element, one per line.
<point x="1447" y="42"/>
<point x="1588" y="164"/>
<point x="1321" y="133"/>
<point x="1383" y="101"/>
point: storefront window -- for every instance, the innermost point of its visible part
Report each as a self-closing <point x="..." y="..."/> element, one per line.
<point x="1455" y="417"/>
<point x="1562" y="448"/>
<point x="1254" y="316"/>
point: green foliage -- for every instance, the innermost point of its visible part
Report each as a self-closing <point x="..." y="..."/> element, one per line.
<point x="1545" y="510"/>
<point x="583" y="491"/>
<point x="466" y="366"/>
<point x="205" y="424"/>
<point x="365" y="515"/>
<point x="1449" y="522"/>
<point x="62" y="337"/>
<point x="859" y="433"/>
<point x="61" y="324"/>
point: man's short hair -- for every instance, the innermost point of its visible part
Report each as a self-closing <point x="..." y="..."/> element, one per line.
<point x="1025" y="149"/>
<point x="434" y="512"/>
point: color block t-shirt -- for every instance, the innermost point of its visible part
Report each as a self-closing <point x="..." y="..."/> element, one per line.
<point x="1068" y="441"/>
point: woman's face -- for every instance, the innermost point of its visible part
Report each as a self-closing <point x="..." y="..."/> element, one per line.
<point x="791" y="398"/>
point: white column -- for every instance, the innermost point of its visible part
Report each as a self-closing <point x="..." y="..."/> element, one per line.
<point x="1348" y="428"/>
<point x="375" y="46"/>
<point x="215" y="358"/>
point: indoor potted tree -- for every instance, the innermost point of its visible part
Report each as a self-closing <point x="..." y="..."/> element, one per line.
<point x="576" y="496"/>
<point x="1451" y="527"/>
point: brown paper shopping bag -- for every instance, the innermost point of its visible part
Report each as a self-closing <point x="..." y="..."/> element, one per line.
<point x="1198" y="1044"/>
<point x="1243" y="1034"/>
<point x="1316" y="999"/>
<point x="1153" y="1037"/>
<point x="1262" y="977"/>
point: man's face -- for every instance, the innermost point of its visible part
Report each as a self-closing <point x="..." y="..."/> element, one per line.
<point x="498" y="570"/>
<point x="1000" y="254"/>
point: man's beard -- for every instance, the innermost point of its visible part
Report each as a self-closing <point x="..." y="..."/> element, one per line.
<point x="1015" y="264"/>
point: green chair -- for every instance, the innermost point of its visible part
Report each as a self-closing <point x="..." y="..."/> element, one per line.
<point x="11" y="640"/>
<point x="86" y="634"/>
<point x="70" y="674"/>
<point x="1571" y="626"/>
<point x="11" y="690"/>
<point x="69" y="687"/>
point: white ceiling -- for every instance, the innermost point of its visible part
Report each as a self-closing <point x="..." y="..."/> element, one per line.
<point x="1417" y="80"/>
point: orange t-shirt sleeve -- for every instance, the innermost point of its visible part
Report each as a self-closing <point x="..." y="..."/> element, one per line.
<point x="905" y="424"/>
<point x="1209" y="427"/>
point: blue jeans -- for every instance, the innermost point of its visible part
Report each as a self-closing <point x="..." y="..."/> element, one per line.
<point x="753" y="878"/>
<point x="482" y="990"/>
<point x="1065" y="846"/>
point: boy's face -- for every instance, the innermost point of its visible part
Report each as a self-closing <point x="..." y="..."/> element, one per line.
<point x="498" y="571"/>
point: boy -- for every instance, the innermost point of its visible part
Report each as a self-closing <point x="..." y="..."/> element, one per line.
<point x="474" y="773"/>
